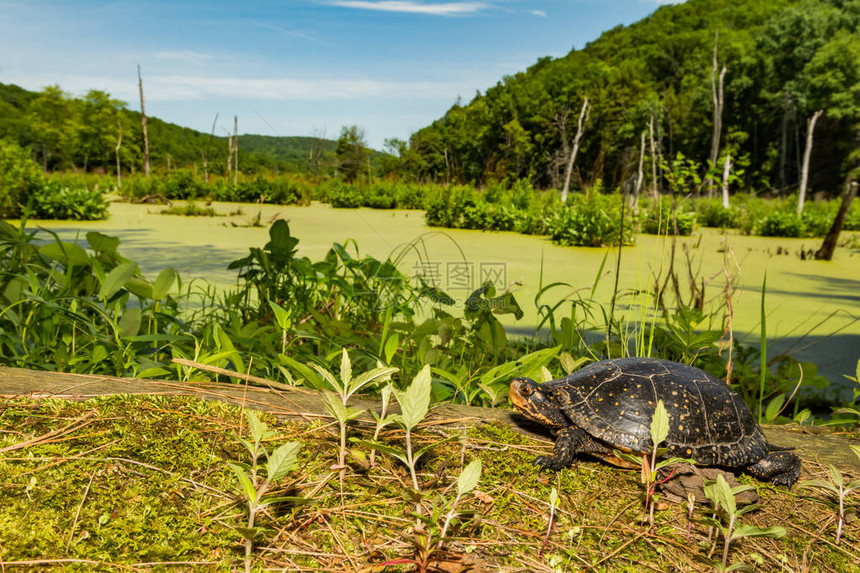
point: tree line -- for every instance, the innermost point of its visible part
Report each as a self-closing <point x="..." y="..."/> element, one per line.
<point x="770" y="88"/>
<point x="89" y="132"/>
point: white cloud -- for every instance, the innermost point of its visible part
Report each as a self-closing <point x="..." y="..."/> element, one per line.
<point x="540" y="13"/>
<point x="183" y="56"/>
<point x="190" y="88"/>
<point x="414" y="7"/>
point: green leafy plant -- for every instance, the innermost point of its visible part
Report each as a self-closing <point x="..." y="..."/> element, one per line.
<point x="650" y="465"/>
<point x="256" y="480"/>
<point x="191" y="209"/>
<point x="727" y="514"/>
<point x="852" y="409"/>
<point x="428" y="537"/>
<point x="414" y="406"/>
<point x="337" y="402"/>
<point x="836" y="488"/>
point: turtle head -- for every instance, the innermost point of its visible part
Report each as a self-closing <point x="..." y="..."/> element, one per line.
<point x="536" y="404"/>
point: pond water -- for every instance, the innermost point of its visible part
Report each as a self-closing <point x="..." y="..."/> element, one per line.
<point x="812" y="307"/>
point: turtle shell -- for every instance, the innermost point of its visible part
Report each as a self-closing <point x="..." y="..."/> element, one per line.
<point x="614" y="400"/>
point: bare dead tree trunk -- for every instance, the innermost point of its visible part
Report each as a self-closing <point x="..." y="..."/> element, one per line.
<point x="235" y="150"/>
<point x="727" y="171"/>
<point x="583" y="119"/>
<point x="229" y="154"/>
<point x="168" y="164"/>
<point x="118" y="144"/>
<point x="828" y="246"/>
<point x="559" y="160"/>
<point x="783" y="143"/>
<point x="654" y="190"/>
<point x="146" y="164"/>
<point x="717" y="94"/>
<point x="205" y="171"/>
<point x="640" y="175"/>
<point x="807" y="154"/>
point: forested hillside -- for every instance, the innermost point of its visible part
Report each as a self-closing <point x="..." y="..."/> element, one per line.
<point x="65" y="132"/>
<point x="784" y="60"/>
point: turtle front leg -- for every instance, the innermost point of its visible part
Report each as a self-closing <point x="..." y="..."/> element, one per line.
<point x="779" y="468"/>
<point x="569" y="442"/>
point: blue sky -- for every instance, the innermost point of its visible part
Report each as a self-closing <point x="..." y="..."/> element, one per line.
<point x="295" y="67"/>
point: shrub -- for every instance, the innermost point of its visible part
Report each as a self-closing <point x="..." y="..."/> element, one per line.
<point x="593" y="222"/>
<point x="20" y="178"/>
<point x="286" y="191"/>
<point x="138" y="186"/>
<point x="54" y="202"/>
<point x="181" y="184"/>
<point x="852" y="219"/>
<point x="711" y="213"/>
<point x="345" y="196"/>
<point x="781" y="224"/>
<point x="656" y="221"/>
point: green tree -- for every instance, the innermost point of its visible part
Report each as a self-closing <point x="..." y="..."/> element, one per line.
<point x="97" y="135"/>
<point x="352" y="153"/>
<point x="52" y="116"/>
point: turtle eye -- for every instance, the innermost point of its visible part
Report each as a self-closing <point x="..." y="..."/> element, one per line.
<point x="527" y="391"/>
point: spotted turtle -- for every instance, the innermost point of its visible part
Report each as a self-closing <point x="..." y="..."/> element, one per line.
<point x="608" y="406"/>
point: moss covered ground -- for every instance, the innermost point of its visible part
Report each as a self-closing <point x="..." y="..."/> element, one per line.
<point x="143" y="483"/>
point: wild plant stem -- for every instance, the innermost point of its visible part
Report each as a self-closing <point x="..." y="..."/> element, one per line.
<point x="548" y="529"/>
<point x="841" y="513"/>
<point x="249" y="541"/>
<point x="763" y="356"/>
<point x="728" y="540"/>
<point x="410" y="460"/>
<point x="450" y="516"/>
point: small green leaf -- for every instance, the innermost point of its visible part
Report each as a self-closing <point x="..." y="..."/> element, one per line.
<point x="390" y="347"/>
<point x="345" y="369"/>
<point x="257" y="427"/>
<point x="553" y="497"/>
<point x="163" y="283"/>
<point x="283" y="460"/>
<point x="855" y="449"/>
<point x="248" y="533"/>
<point x="836" y="475"/>
<point x="632" y="458"/>
<point x="334" y="384"/>
<point x="250" y="447"/>
<point x="334" y="404"/>
<point x="246" y="483"/>
<point x="139" y="287"/>
<point x="282" y="316"/>
<point x="659" y="424"/>
<point x="469" y="477"/>
<point x="66" y="253"/>
<point x="116" y="279"/>
<point x="773" y="407"/>
<point x="751" y="531"/>
<point x="384" y="448"/>
<point x="819" y="483"/>
<point x="672" y="461"/>
<point x="545" y="374"/>
<point x="722" y="495"/>
<point x="129" y="323"/>
<point x="365" y="378"/>
<point x="415" y="400"/>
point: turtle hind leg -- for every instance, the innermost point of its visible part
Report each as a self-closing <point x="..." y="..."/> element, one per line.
<point x="569" y="442"/>
<point x="779" y="468"/>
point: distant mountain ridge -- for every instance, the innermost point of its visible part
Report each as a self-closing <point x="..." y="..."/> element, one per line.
<point x="184" y="146"/>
